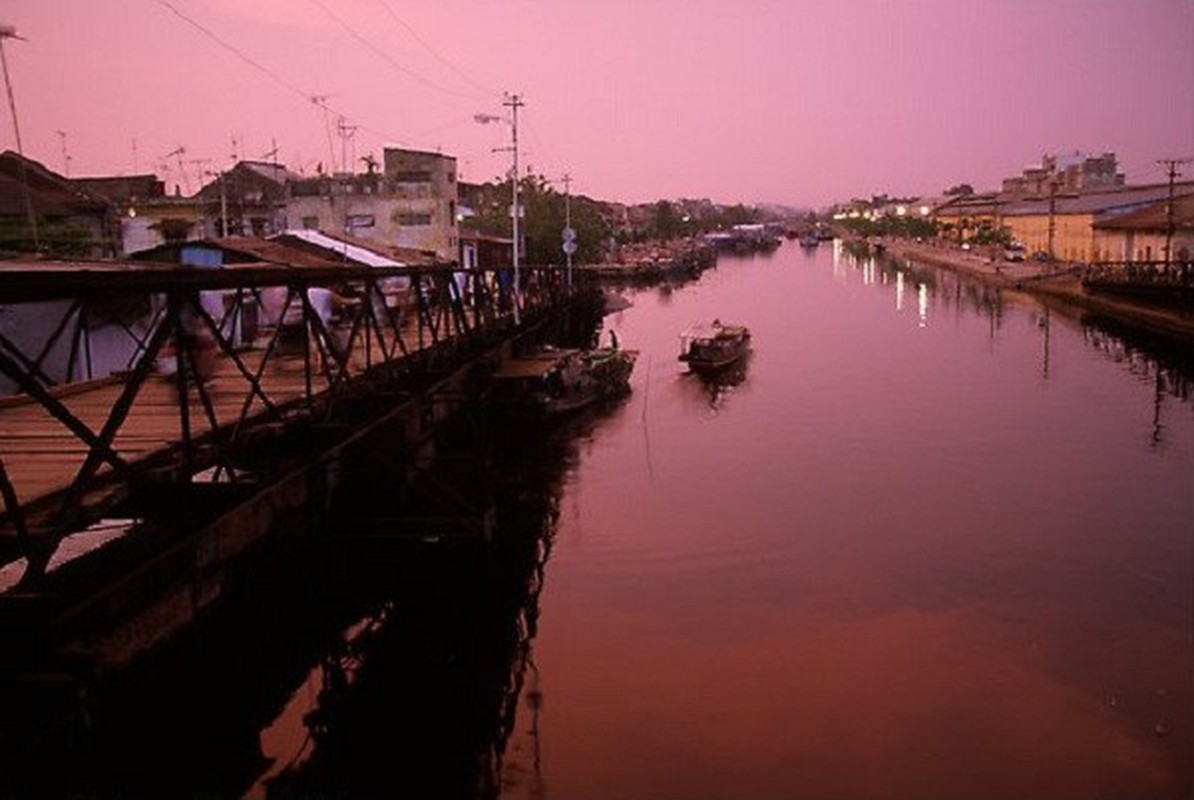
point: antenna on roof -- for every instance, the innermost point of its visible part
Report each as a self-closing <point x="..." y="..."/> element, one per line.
<point x="65" y="155"/>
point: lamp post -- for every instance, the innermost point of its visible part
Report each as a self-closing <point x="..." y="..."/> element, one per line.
<point x="513" y="102"/>
<point x="9" y="32"/>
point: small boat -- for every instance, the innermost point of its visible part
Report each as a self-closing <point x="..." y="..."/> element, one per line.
<point x="551" y="381"/>
<point x="707" y="348"/>
<point x="810" y="240"/>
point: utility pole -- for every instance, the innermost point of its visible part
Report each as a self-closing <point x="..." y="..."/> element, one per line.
<point x="1170" y="165"/>
<point x="569" y="234"/>
<point x="514" y="102"/>
<point x="272" y="155"/>
<point x="9" y="32"/>
<point x="1052" y="215"/>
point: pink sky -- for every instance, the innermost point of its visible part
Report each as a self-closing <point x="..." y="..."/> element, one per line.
<point x="805" y="102"/>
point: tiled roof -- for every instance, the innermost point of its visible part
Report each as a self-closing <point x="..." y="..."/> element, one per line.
<point x="1125" y="199"/>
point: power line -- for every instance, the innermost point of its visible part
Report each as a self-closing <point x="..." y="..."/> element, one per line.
<point x="382" y="54"/>
<point x="275" y="77"/>
<point x="318" y="100"/>
<point x="414" y="35"/>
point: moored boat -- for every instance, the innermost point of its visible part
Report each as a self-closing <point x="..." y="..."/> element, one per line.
<point x="713" y="347"/>
<point x="551" y="381"/>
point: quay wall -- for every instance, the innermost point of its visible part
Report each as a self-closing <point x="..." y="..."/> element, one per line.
<point x="1055" y="284"/>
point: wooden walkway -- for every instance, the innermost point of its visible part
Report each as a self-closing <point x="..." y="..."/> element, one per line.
<point x="42" y="456"/>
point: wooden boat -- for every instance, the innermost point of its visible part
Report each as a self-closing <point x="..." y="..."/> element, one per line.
<point x="553" y="381"/>
<point x="713" y="347"/>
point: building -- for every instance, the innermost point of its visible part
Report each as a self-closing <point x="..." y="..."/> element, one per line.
<point x="250" y="199"/>
<point x="1063" y="226"/>
<point x="481" y="250"/>
<point x="1142" y="234"/>
<point x="1068" y="173"/>
<point x="412" y="203"/>
<point x="42" y="211"/>
<point x="131" y="197"/>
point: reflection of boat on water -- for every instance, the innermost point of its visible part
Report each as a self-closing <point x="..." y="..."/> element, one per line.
<point x="714" y="347"/>
<point x="717" y="385"/>
<point x="553" y="381"/>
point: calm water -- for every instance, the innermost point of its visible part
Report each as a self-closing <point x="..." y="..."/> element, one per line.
<point x="928" y="543"/>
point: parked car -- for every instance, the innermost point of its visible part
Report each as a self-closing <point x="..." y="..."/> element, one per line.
<point x="1013" y="252"/>
<point x="1041" y="255"/>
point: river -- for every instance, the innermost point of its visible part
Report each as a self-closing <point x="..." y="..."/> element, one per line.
<point x="931" y="541"/>
<point x="934" y="543"/>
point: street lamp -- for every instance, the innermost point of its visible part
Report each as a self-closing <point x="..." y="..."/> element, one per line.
<point x="513" y="102"/>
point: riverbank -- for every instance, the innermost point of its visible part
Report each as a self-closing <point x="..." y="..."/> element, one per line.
<point x="1047" y="282"/>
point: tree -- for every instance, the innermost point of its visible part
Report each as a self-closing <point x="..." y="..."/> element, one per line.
<point x="544" y="217"/>
<point x="959" y="190"/>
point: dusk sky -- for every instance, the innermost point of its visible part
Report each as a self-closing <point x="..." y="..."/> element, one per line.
<point x="804" y="102"/>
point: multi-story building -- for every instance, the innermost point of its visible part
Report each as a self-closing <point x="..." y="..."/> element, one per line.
<point x="1066" y="173"/>
<point x="43" y="211"/>
<point x="411" y="203"/>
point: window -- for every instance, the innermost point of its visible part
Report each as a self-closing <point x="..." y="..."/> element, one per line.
<point x="310" y="223"/>
<point x="412" y="176"/>
<point x="414" y="219"/>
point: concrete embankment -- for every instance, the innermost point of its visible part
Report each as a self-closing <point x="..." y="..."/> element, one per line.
<point x="1047" y="282"/>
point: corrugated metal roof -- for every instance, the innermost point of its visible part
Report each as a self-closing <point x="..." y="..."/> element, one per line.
<point x="272" y="251"/>
<point x="351" y="252"/>
<point x="1153" y="217"/>
<point x="1125" y="199"/>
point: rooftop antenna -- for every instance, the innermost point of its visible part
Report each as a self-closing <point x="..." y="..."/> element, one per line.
<point x="199" y="170"/>
<point x="65" y="154"/>
<point x="321" y="101"/>
<point x="178" y="153"/>
<point x="346" y="133"/>
<point x="272" y="155"/>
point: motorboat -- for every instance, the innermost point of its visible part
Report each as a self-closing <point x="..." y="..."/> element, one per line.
<point x="551" y="381"/>
<point x="714" y="346"/>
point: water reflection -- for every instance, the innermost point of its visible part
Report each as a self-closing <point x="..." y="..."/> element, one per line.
<point x="376" y="660"/>
<point x="897" y="560"/>
<point x="716" y="387"/>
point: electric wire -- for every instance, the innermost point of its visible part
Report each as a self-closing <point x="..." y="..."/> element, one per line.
<point x="487" y="90"/>
<point x="382" y="54"/>
<point x="318" y="100"/>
